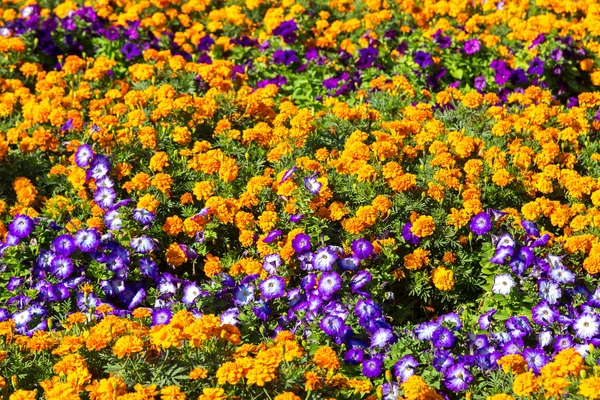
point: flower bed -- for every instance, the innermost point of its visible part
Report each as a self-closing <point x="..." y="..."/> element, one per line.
<point x="299" y="200"/>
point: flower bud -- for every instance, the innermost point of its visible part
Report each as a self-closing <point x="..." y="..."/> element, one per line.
<point x="388" y="376"/>
<point x="380" y="393"/>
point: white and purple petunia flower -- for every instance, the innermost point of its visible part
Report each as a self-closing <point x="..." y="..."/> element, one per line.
<point x="503" y="283"/>
<point x="485" y="319"/>
<point x="64" y="245"/>
<point x="501" y="254"/>
<point x="362" y="248"/>
<point x="329" y="283"/>
<point x="142" y="244"/>
<point x="83" y="155"/>
<point x="271" y="263"/>
<point x="87" y="240"/>
<point x="549" y="291"/>
<point x="587" y="326"/>
<point x="457" y="378"/>
<point x="162" y="316"/>
<point x="312" y="185"/>
<point x="272" y="287"/>
<point x="143" y="216"/>
<point x="61" y="267"/>
<point x="382" y="337"/>
<point x="301" y="243"/>
<point x="21" y="226"/>
<point x="324" y="259"/>
<point x="243" y="294"/>
<point x="99" y="167"/>
<point x="191" y="292"/>
<point x="405" y="368"/>
<point x="481" y="224"/>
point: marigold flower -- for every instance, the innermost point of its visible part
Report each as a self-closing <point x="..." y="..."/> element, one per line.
<point x="175" y="255"/>
<point x="443" y="279"/>
<point x="127" y="345"/>
<point x="326" y="357"/>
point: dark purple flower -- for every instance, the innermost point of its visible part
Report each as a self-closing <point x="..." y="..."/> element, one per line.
<point x="285" y="57"/>
<point x="130" y="51"/>
<point x="472" y="46"/>
<point x="480" y="83"/>
<point x="442" y="40"/>
<point x="288" y="174"/>
<point x="64" y="245"/>
<point x="373" y="367"/>
<point x="539" y="39"/>
<point x="295" y="218"/>
<point x="367" y="57"/>
<point x="362" y="248"/>
<point x="408" y="235"/>
<point x="205" y="43"/>
<point x="287" y="31"/>
<point x="354" y="356"/>
<point x="271" y="236"/>
<point x="301" y="243"/>
<point x="423" y="59"/>
<point x="536" y="67"/>
<point x="443" y="338"/>
<point x="67" y="126"/>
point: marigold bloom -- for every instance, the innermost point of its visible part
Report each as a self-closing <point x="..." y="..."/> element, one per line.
<point x="175" y="255"/>
<point x="127" y="345"/>
<point x="326" y="357"/>
<point x="423" y="226"/>
<point x="443" y="279"/>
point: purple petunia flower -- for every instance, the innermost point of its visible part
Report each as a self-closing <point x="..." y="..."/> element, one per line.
<point x="130" y="51"/>
<point x="423" y="59"/>
<point x="360" y="280"/>
<point x="272" y="287"/>
<point x="425" y="330"/>
<point x="191" y="291"/>
<point x="481" y="224"/>
<point x="382" y="337"/>
<point x="64" y="245"/>
<point x="587" y="326"/>
<point x="271" y="236"/>
<point x="333" y="326"/>
<point x="485" y="319"/>
<point x="83" y="155"/>
<point x="354" y="356"/>
<point x="87" y="240"/>
<point x="329" y="283"/>
<point x="472" y="46"/>
<point x="99" y="167"/>
<point x="288" y="174"/>
<point x="271" y="263"/>
<point x="312" y="185"/>
<point x="162" y="316"/>
<point x="457" y="378"/>
<point x="21" y="226"/>
<point x="324" y="259"/>
<point x="61" y="267"/>
<point x="287" y="31"/>
<point x="285" y="57"/>
<point x="373" y="367"/>
<point x="143" y="216"/>
<point x="408" y="235"/>
<point x="543" y="314"/>
<point x="243" y="294"/>
<point x="301" y="243"/>
<point x="405" y="368"/>
<point x="142" y="245"/>
<point x="480" y="83"/>
<point x="362" y="248"/>
<point x="501" y="253"/>
<point x="443" y="338"/>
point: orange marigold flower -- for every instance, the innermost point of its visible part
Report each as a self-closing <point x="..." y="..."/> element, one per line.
<point x="326" y="357"/>
<point x="128" y="345"/>
<point x="173" y="226"/>
<point x="213" y="394"/>
<point x="212" y="265"/>
<point x="198" y="373"/>
<point x="525" y="384"/>
<point x="514" y="363"/>
<point x="175" y="255"/>
<point x="423" y="226"/>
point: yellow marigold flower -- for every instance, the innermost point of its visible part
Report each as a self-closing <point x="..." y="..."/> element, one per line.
<point x="360" y="385"/>
<point x="175" y="255"/>
<point x="502" y="177"/>
<point x="198" y="373"/>
<point x="513" y="363"/>
<point x="230" y="372"/>
<point x="287" y="396"/>
<point x="590" y="387"/>
<point x="203" y="190"/>
<point x="423" y="226"/>
<point x="23" y="395"/>
<point x="313" y="381"/>
<point x="443" y="279"/>
<point x="525" y="384"/>
<point x="128" y="345"/>
<point x="172" y="393"/>
<point x="415" y="388"/>
<point x="141" y="313"/>
<point x="107" y="388"/>
<point x="500" y="396"/>
<point x="326" y="357"/>
<point x="472" y="100"/>
<point x="212" y="394"/>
